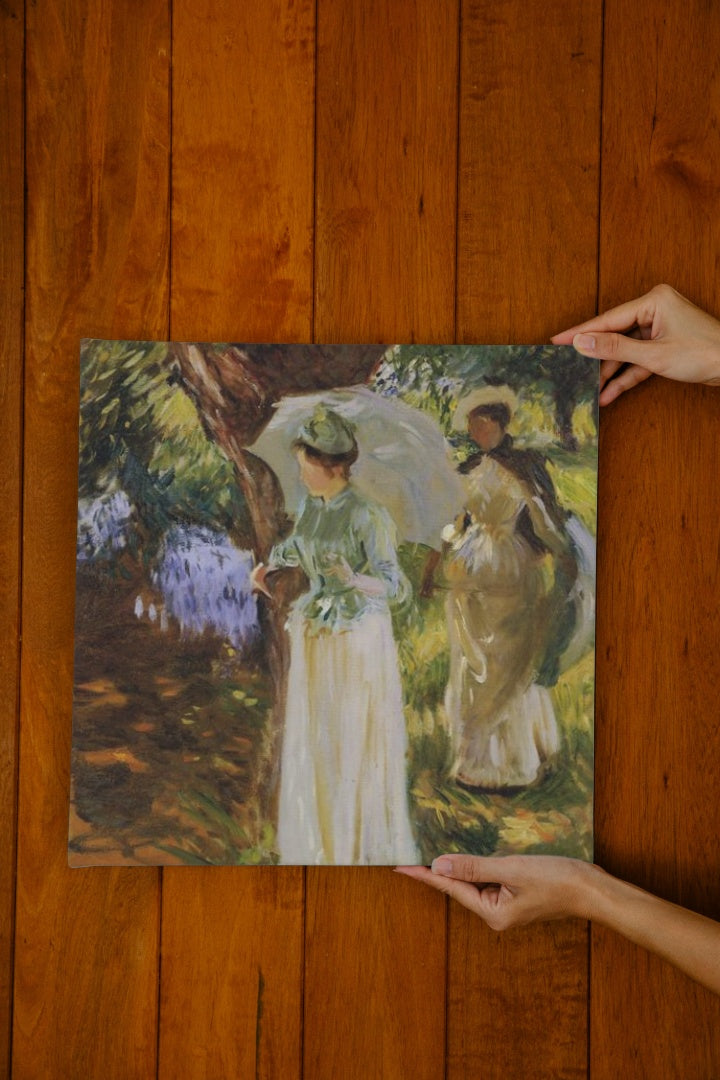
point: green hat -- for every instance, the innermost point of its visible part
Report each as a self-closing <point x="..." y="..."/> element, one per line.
<point x="327" y="432"/>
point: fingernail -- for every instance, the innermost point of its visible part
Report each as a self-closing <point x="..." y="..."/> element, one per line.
<point x="584" y="341"/>
<point x="441" y="866"/>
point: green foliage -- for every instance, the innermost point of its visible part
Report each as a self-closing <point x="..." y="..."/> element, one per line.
<point x="219" y="839"/>
<point x="118" y="380"/>
<point x="420" y="633"/>
<point x="432" y="377"/>
<point x="140" y="432"/>
<point x="576" y="487"/>
<point x="552" y="816"/>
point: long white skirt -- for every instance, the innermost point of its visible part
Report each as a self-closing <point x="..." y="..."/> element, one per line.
<point x="343" y="770"/>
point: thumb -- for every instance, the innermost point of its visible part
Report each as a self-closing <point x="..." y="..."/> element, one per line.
<point x="620" y="349"/>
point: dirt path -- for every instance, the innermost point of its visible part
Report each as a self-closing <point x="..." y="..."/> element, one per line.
<point x="166" y="734"/>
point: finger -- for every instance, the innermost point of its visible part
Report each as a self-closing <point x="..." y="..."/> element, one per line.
<point x="566" y="337"/>
<point x="466" y="894"/>
<point x="622" y="349"/>
<point x="476" y="868"/>
<point x="630" y="377"/>
<point x="608" y="368"/>
<point x="489" y="902"/>
<point x="422" y="873"/>
<point x="634" y="312"/>
<point x="493" y="903"/>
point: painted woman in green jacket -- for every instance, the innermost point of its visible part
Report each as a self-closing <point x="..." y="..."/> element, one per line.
<point x="343" y="774"/>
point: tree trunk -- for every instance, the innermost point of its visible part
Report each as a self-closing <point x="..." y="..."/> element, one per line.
<point x="564" y="409"/>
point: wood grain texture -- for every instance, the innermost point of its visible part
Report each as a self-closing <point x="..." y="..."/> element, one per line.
<point x="352" y="982"/>
<point x="242" y="233"/>
<point x="658" y="675"/>
<point x="527" y="244"/>
<point x="374" y="976"/>
<point x="243" y="120"/>
<point x="658" y="667"/>
<point x="529" y="159"/>
<point x="231" y="974"/>
<point x="517" y="1001"/>
<point x="97" y="179"/>
<point x="386" y="171"/>
<point x="12" y="244"/>
<point x="384" y="271"/>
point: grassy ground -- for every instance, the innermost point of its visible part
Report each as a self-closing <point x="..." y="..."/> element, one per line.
<point x="554" y="815"/>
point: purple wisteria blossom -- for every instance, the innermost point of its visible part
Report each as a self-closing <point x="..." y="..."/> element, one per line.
<point x="104" y="526"/>
<point x="204" y="581"/>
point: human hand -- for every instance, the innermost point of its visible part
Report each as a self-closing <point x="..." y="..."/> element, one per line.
<point x="339" y="567"/>
<point x="660" y="333"/>
<point x="257" y="579"/>
<point x="512" y="890"/>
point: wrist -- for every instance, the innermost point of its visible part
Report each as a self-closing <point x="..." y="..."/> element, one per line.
<point x="610" y="900"/>
<point x="588" y="893"/>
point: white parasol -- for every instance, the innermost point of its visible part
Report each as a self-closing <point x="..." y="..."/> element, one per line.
<point x="403" y="460"/>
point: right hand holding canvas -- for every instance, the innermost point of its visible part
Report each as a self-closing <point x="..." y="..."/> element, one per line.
<point x="511" y="890"/>
<point x="514" y="890"/>
<point x="660" y="333"/>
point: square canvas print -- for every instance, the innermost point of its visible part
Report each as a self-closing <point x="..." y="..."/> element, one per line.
<point x="334" y="604"/>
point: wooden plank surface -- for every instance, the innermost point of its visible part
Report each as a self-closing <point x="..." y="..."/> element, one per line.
<point x="527" y="242"/>
<point x="658" y="674"/>
<point x="351" y="981"/>
<point x="386" y="171"/>
<point x="242" y="233"/>
<point x="12" y="219"/>
<point x="97" y="180"/>
<point x="529" y="158"/>
<point x="243" y="119"/>
<point x="385" y="266"/>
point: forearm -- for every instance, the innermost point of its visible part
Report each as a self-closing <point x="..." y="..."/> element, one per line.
<point x="689" y="941"/>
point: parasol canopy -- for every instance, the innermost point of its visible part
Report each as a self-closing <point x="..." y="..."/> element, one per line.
<point x="403" y="461"/>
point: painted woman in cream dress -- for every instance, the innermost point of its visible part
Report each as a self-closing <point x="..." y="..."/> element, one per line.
<point x="343" y="774"/>
<point x="502" y="720"/>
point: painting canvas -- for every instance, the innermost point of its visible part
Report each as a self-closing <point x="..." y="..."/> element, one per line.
<point x="334" y="604"/>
